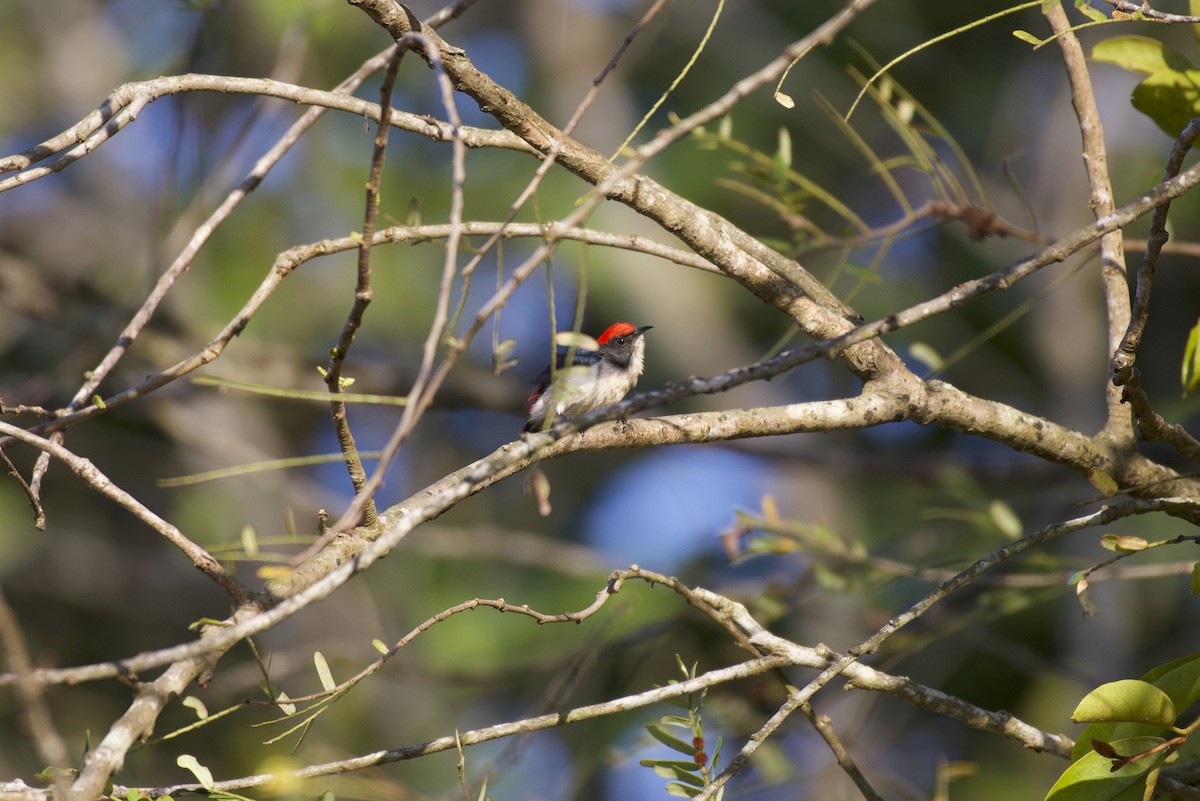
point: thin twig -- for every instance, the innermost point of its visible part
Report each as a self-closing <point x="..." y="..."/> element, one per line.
<point x="1143" y="11"/>
<point x="1126" y="352"/>
<point x="1118" y="427"/>
<point x="362" y="293"/>
<point x="824" y="727"/>
<point x="1151" y="425"/>
<point x="39" y="514"/>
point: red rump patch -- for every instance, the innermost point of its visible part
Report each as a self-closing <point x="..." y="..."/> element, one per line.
<point x="615" y="330"/>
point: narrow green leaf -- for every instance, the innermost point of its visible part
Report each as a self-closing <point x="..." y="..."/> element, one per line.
<point x="412" y="217"/>
<point x="681" y="790"/>
<point x="670" y="763"/>
<point x="323" y="672"/>
<point x="926" y="355"/>
<point x="669" y="740"/>
<point x="1196" y="579"/>
<point x="1027" y="37"/>
<point x="677" y="721"/>
<point x="1126" y="700"/>
<point x="202" y="774"/>
<point x="281" y="701"/>
<point x="1006" y="519"/>
<point x="670" y="772"/>
<point x="864" y="274"/>
<point x="249" y="541"/>
<point x="1190" y="371"/>
<point x="380" y="646"/>
<point x="783" y="156"/>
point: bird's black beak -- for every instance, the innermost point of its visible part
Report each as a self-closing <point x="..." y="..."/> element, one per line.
<point x="637" y="332"/>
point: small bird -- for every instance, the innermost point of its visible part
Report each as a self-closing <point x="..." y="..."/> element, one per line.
<point x="594" y="378"/>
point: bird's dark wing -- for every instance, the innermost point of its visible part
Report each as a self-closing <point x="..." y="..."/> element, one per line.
<point x="582" y="356"/>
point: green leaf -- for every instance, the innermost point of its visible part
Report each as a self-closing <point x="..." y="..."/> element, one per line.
<point x="1139" y="54"/>
<point x="202" y="774"/>
<point x="1124" y="543"/>
<point x="1127" y="700"/>
<point x="926" y="355"/>
<point x="1091" y="778"/>
<point x="1005" y="519"/>
<point x="412" y="217"/>
<point x="1196" y="579"/>
<point x="380" y="646"/>
<point x="677" y="721"/>
<point x="1181" y="684"/>
<point x="1094" y="14"/>
<point x="681" y="790"/>
<point x="249" y="541"/>
<point x="1190" y="372"/>
<point x="679" y="764"/>
<point x="1170" y="98"/>
<point x="574" y="339"/>
<point x="192" y="702"/>
<point x="669" y="740"/>
<point x="1027" y="37"/>
<point x="1103" y="482"/>
<point x="783" y="156"/>
<point x="1154" y="674"/>
<point x="1110" y="732"/>
<point x="680" y="775"/>
<point x="323" y="672"/>
<point x="281" y="701"/>
<point x="864" y="274"/>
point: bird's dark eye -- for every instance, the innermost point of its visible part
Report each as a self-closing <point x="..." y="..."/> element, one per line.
<point x="621" y="341"/>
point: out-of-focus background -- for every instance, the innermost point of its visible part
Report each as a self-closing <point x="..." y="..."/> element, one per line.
<point x="79" y="251"/>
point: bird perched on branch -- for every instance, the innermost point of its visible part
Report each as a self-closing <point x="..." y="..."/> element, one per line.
<point x="596" y="376"/>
